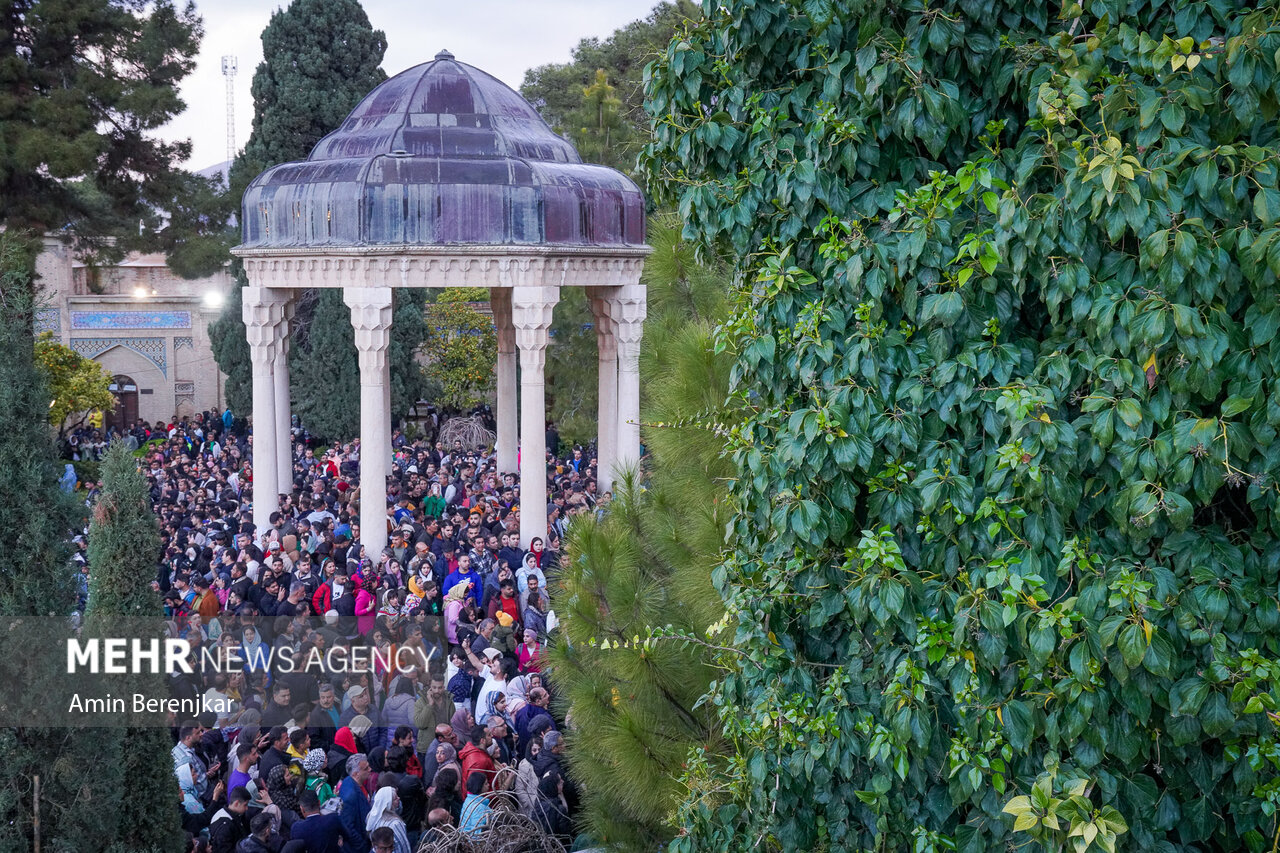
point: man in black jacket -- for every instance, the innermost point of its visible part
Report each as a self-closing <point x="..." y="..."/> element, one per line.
<point x="277" y="754"/>
<point x="231" y="824"/>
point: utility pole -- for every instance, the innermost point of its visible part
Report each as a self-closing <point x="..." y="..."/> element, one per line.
<point x="229" y="72"/>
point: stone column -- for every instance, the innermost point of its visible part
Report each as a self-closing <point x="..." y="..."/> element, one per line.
<point x="508" y="434"/>
<point x="607" y="410"/>
<point x="263" y="320"/>
<point x="284" y="407"/>
<point x="531" y="309"/>
<point x="627" y="310"/>
<point x="371" y="317"/>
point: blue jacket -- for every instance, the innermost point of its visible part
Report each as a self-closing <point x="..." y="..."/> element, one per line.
<point x="321" y="833"/>
<point x="456" y="577"/>
<point x="355" y="810"/>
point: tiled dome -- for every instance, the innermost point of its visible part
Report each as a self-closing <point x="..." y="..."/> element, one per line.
<point x="442" y="154"/>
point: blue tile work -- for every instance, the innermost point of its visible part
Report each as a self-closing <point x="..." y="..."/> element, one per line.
<point x="152" y="349"/>
<point x="183" y="343"/>
<point x="48" y="320"/>
<point x="107" y="320"/>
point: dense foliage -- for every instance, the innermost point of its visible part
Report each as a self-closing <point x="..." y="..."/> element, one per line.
<point x="77" y="385"/>
<point x="86" y="83"/>
<point x="124" y="547"/>
<point x="597" y="99"/>
<point x="36" y="592"/>
<point x="1006" y="563"/>
<point x="322" y="58"/>
<point x="458" y="348"/>
<point x="645" y="563"/>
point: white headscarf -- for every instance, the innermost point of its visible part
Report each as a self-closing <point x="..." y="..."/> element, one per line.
<point x="381" y="813"/>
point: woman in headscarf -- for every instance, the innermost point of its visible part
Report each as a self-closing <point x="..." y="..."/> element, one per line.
<point x="496" y="705"/>
<point x="446" y="757"/>
<point x="462" y="721"/>
<point x="529" y="652"/>
<point x="253" y="651"/>
<point x="517" y="695"/>
<point x="344" y="746"/>
<point x="385" y="812"/>
<point x="283" y="783"/>
<point x="366" y="604"/>
<point x="538" y="550"/>
<point x="453" y="603"/>
<point x="530" y="567"/>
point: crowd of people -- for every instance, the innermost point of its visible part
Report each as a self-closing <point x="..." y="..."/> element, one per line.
<point x="381" y="699"/>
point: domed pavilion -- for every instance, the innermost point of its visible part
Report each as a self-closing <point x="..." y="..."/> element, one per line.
<point x="443" y="176"/>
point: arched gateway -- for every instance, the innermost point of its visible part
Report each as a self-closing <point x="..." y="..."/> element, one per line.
<point x="444" y="177"/>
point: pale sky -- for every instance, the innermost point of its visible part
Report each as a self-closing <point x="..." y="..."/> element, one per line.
<point x="502" y="37"/>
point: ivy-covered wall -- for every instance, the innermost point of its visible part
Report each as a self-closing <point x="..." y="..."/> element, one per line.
<point x="1006" y="566"/>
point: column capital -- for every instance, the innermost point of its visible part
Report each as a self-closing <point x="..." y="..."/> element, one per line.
<point x="371" y="318"/>
<point x="606" y="334"/>
<point x="531" y="315"/>
<point x="627" y="309"/>
<point x="370" y="308"/>
<point x="263" y="311"/>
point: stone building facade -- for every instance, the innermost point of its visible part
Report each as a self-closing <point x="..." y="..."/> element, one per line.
<point x="146" y="325"/>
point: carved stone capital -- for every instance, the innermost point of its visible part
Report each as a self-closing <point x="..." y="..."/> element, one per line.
<point x="531" y="314"/>
<point x="371" y="318"/>
<point x="264" y="320"/>
<point x="627" y="310"/>
<point x="606" y="334"/>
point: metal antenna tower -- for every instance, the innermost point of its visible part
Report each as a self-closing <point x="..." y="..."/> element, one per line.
<point x="229" y="72"/>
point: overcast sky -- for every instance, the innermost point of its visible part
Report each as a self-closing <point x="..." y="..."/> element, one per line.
<point x="502" y="37"/>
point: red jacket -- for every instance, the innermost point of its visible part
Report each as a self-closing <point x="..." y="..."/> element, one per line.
<point x="474" y="758"/>
<point x="322" y="600"/>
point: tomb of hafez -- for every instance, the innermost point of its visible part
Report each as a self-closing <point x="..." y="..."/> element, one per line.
<point x="445" y="177"/>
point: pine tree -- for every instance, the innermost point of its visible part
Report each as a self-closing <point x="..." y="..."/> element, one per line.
<point x="646" y="564"/>
<point x="124" y="544"/>
<point x="323" y="56"/>
<point x="84" y="83"/>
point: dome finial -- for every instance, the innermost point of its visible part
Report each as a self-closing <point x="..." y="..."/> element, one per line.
<point x="444" y="54"/>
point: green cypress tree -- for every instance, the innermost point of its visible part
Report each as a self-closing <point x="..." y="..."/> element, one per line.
<point x="322" y="57"/>
<point x="326" y="382"/>
<point x="37" y="586"/>
<point x="124" y="545"/>
<point x="647" y="563"/>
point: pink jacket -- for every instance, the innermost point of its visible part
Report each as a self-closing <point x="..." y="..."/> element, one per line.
<point x="366" y="611"/>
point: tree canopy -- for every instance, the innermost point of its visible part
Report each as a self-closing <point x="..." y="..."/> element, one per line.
<point x="321" y="58"/>
<point x="459" y="346"/>
<point x="1006" y="565"/>
<point x="78" y="385"/>
<point x="597" y="99"/>
<point x="86" y="84"/>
